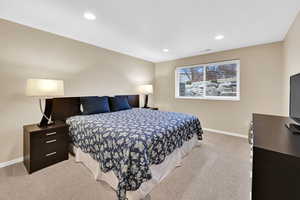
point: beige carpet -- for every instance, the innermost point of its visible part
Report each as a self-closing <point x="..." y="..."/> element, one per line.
<point x="218" y="170"/>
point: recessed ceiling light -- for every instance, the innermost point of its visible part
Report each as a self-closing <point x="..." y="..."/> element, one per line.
<point x="165" y="50"/>
<point x="219" y="37"/>
<point x="89" y="16"/>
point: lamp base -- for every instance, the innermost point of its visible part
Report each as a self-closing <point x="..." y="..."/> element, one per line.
<point x="45" y="125"/>
<point x="47" y="113"/>
<point x="146" y="101"/>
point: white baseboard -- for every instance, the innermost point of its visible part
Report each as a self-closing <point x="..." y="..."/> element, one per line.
<point x="225" y="133"/>
<point x="11" y="162"/>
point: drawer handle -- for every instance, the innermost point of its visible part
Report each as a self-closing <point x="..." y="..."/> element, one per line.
<point x="51" y="154"/>
<point x="53" y="133"/>
<point x="50" y="141"/>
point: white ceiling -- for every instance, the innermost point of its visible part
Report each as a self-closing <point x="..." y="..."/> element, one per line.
<point x="143" y="28"/>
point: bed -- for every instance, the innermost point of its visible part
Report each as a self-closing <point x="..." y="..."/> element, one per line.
<point x="133" y="150"/>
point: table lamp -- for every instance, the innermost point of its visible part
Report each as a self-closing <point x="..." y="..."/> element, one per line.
<point x="45" y="89"/>
<point x="146" y="89"/>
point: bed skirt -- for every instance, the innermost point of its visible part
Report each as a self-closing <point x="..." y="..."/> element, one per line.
<point x="159" y="172"/>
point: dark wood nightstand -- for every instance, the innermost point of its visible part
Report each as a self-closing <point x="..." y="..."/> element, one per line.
<point x="44" y="146"/>
<point x="152" y="108"/>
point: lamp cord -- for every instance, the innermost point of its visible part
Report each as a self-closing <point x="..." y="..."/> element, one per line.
<point x="41" y="109"/>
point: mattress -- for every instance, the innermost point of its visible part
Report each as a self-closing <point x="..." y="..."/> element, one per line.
<point x="128" y="142"/>
<point x="159" y="172"/>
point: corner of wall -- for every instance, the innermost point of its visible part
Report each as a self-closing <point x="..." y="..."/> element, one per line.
<point x="291" y="59"/>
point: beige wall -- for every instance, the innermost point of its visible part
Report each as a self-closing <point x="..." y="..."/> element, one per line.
<point x="87" y="70"/>
<point x="261" y="88"/>
<point x="291" y="58"/>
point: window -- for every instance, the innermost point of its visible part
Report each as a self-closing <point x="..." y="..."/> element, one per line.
<point x="217" y="81"/>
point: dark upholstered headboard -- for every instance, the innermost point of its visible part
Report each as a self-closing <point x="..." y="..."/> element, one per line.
<point x="65" y="107"/>
<point x="62" y="108"/>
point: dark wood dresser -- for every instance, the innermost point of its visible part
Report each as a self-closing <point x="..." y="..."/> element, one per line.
<point x="276" y="159"/>
<point x="44" y="146"/>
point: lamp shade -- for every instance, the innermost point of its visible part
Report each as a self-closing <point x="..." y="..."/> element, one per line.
<point x="44" y="88"/>
<point x="146" y="89"/>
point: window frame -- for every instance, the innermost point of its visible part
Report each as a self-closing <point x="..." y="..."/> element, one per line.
<point x="227" y="98"/>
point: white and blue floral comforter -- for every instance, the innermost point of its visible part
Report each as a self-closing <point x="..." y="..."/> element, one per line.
<point x="129" y="142"/>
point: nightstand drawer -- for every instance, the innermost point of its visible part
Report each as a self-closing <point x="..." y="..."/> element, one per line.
<point x="45" y="140"/>
<point x="47" y="160"/>
<point x="49" y="134"/>
<point x="42" y="147"/>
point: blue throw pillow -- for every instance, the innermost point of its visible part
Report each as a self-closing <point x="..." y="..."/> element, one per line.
<point x="94" y="105"/>
<point x="119" y="103"/>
